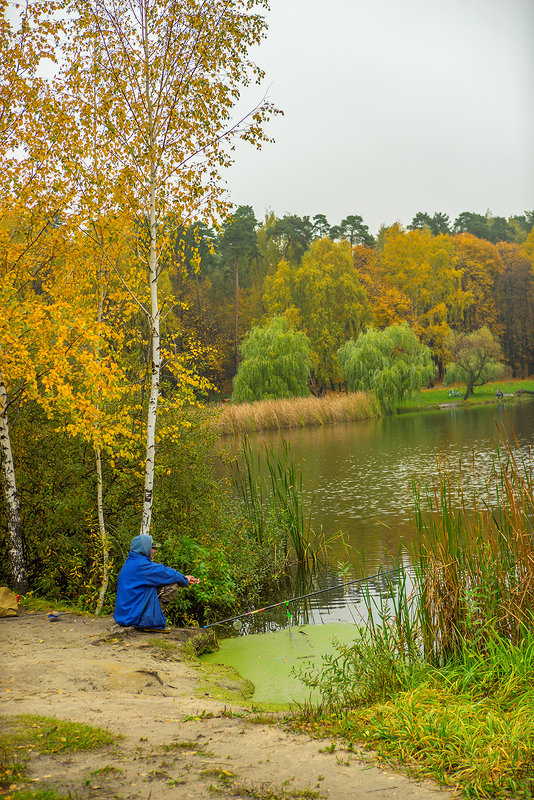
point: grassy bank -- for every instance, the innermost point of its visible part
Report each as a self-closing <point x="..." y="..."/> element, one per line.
<point x="443" y="681"/>
<point x="297" y="412"/>
<point x="482" y="394"/>
<point x="26" y="736"/>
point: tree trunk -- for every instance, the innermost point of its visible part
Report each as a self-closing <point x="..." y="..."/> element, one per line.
<point x="154" y="320"/>
<point x="103" y="532"/>
<point x="468" y="391"/>
<point x="14" y="525"/>
<point x="236" y="311"/>
<point x="148" y="496"/>
<point x="98" y="459"/>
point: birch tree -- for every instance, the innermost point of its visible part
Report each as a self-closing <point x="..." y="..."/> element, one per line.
<point x="49" y="337"/>
<point x="168" y="74"/>
<point x="25" y="39"/>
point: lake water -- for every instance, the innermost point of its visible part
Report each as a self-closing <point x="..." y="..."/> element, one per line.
<point x="358" y="478"/>
<point x="359" y="475"/>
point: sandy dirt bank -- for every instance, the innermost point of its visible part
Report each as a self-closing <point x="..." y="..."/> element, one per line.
<point x="185" y="730"/>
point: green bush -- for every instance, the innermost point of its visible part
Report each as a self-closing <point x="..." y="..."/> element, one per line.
<point x="196" y="517"/>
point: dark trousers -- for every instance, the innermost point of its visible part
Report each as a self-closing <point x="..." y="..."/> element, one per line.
<point x="166" y="594"/>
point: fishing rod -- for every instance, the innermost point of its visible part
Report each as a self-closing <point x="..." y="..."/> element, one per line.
<point x="301" y="597"/>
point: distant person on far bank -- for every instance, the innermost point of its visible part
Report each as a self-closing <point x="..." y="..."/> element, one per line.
<point x="145" y="588"/>
<point x="500" y="393"/>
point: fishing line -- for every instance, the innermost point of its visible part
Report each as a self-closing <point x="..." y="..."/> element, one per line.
<point x="301" y="597"/>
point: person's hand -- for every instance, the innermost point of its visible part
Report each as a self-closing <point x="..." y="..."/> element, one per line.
<point x="191" y="580"/>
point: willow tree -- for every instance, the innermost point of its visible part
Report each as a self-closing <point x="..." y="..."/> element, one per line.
<point x="276" y="363"/>
<point x="162" y="78"/>
<point x="391" y="363"/>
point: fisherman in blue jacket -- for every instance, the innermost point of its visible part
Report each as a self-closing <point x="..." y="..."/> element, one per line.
<point x="145" y="587"/>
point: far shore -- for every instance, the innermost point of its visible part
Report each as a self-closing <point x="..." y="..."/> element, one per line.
<point x="232" y="419"/>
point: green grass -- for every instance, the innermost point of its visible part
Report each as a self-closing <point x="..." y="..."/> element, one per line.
<point x="482" y="394"/>
<point x="48" y="735"/>
<point x="30" y="602"/>
<point x="26" y="735"/>
<point x="460" y="737"/>
<point x="36" y="794"/>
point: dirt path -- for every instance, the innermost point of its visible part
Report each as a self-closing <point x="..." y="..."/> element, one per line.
<point x="179" y="738"/>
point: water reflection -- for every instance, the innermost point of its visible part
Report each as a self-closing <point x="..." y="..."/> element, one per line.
<point x="320" y="597"/>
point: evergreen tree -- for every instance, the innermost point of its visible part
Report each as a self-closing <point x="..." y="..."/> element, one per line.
<point x="238" y="243"/>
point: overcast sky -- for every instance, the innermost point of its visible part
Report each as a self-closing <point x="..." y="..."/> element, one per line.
<point x="393" y="107"/>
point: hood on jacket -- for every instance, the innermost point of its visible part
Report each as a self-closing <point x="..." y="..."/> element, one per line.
<point x="142" y="544"/>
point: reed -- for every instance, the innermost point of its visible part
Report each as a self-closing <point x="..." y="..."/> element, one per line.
<point x="441" y="678"/>
<point x="251" y="491"/>
<point x="269" y="485"/>
<point x="475" y="559"/>
<point x="287" y="493"/>
<point x="474" y="566"/>
<point x="296" y="412"/>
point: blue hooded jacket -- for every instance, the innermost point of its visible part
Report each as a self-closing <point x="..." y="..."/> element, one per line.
<point x="137" y="601"/>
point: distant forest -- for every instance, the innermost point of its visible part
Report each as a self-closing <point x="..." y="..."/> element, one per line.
<point x="333" y="281"/>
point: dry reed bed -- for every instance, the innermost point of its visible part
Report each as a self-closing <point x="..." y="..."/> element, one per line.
<point x="295" y="412"/>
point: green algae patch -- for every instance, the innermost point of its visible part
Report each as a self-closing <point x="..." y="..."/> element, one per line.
<point x="273" y="661"/>
<point x="223" y="682"/>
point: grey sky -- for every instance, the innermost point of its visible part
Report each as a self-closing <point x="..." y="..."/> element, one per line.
<point x="393" y="107"/>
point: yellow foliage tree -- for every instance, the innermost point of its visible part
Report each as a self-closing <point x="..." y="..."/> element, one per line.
<point x="389" y="304"/>
<point x="324" y="298"/>
<point x="425" y="269"/>
<point x="159" y="78"/>
<point x="481" y="267"/>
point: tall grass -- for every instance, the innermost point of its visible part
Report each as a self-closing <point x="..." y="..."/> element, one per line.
<point x="475" y="560"/>
<point x="442" y="677"/>
<point x="269" y="485"/>
<point x="296" y="412"/>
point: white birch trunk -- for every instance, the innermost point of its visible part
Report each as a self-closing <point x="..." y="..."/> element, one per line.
<point x="154" y="320"/>
<point x="150" y="458"/>
<point x="103" y="532"/>
<point x="99" y="481"/>
<point x="14" y="525"/>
